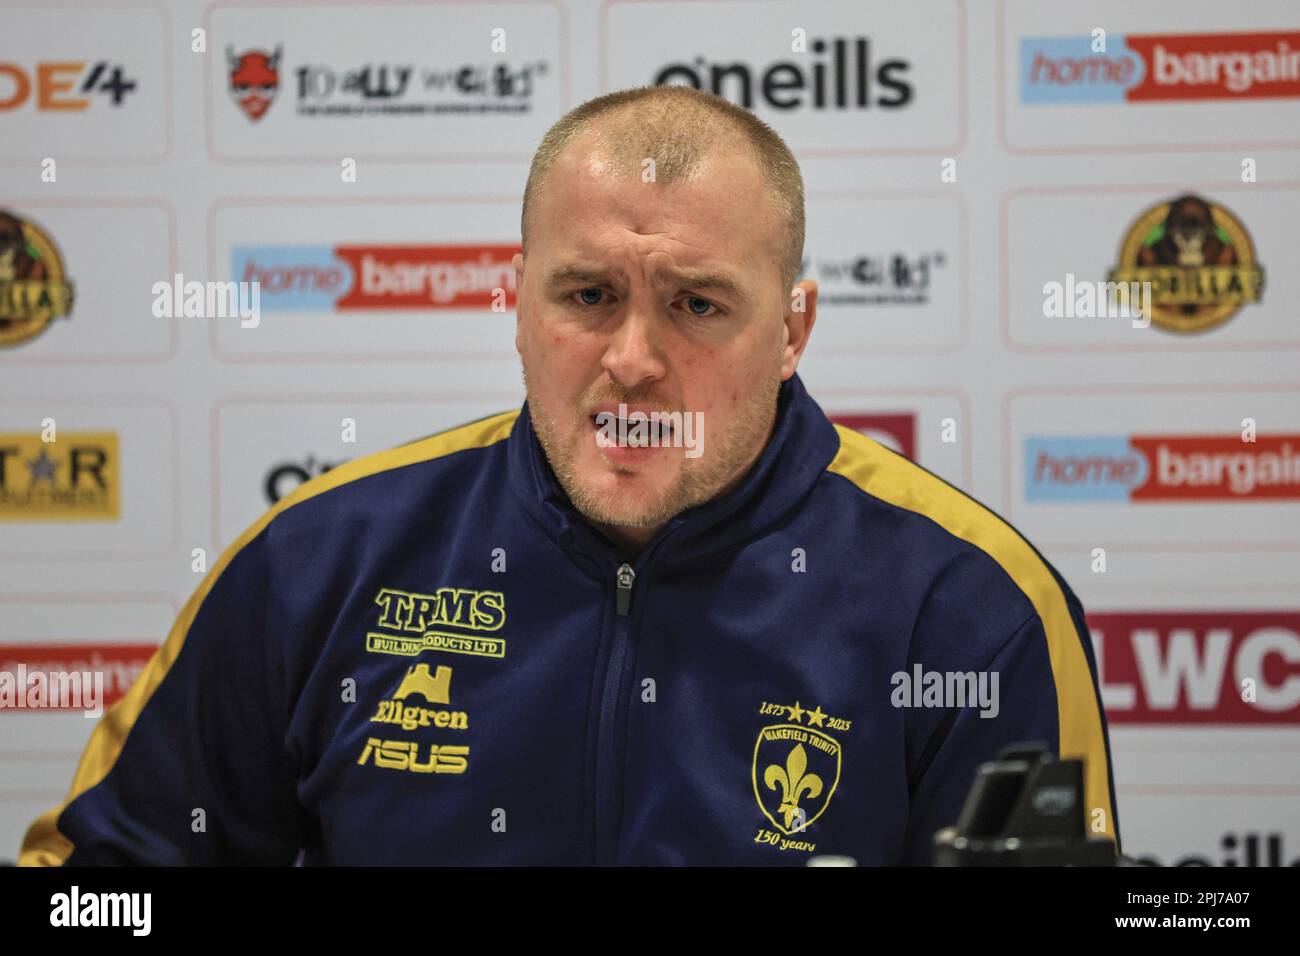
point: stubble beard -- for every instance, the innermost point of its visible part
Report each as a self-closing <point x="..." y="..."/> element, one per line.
<point x="699" y="480"/>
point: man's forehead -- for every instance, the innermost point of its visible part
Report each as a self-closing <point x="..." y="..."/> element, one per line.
<point x="714" y="220"/>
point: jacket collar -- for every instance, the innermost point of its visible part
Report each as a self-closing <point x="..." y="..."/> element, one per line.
<point x="802" y="445"/>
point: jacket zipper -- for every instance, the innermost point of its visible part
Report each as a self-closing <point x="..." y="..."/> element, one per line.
<point x="623" y="586"/>
<point x="606" y="769"/>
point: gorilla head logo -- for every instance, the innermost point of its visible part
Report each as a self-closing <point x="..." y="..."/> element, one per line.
<point x="1196" y="260"/>
<point x="33" y="287"/>
<point x="18" y="258"/>
<point x="1190" y="237"/>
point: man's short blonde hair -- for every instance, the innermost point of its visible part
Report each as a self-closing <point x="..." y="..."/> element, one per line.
<point x="679" y="127"/>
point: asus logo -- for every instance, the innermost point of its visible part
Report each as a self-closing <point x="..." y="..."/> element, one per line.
<point x="405" y="755"/>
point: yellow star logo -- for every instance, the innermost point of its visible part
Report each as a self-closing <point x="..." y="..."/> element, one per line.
<point x="796" y="712"/>
<point x="816" y="717"/>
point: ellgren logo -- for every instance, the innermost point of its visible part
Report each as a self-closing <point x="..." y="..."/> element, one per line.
<point x="1132" y="69"/>
<point x="1145" y="468"/>
<point x="1199" y="260"/>
<point x="348" y="278"/>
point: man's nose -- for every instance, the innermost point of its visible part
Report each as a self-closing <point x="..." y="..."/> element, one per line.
<point x="632" y="355"/>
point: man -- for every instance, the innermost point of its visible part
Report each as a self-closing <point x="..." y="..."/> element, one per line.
<point x="568" y="635"/>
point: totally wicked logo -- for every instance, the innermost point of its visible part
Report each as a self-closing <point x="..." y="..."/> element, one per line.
<point x="1199" y="260"/>
<point x="254" y="80"/>
<point x="381" y="88"/>
<point x="1198" y="667"/>
<point x="1159" y="68"/>
<point x="34" y="287"/>
<point x="893" y="278"/>
<point x="349" y="278"/>
<point x="1147" y="468"/>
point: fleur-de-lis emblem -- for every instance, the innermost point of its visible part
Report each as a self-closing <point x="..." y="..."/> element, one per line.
<point x="794" y="783"/>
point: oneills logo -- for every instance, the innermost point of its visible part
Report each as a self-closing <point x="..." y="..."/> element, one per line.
<point x="422" y="615"/>
<point x="34" y="290"/>
<point x="1199" y="260"/>
<point x="72" y="479"/>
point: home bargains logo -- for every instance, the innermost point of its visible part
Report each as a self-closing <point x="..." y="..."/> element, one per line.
<point x="120" y="664"/>
<point x="1135" y="69"/>
<point x="350" y="278"/>
<point x="1146" y="468"/>
<point x="1223" y="667"/>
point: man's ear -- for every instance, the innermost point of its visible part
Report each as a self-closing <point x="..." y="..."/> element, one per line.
<point x="518" y="263"/>
<point x="800" y="314"/>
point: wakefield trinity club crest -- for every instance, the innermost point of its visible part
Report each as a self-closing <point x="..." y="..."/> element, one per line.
<point x="796" y="767"/>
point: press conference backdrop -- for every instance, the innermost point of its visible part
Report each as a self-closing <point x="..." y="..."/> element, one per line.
<point x="974" y="170"/>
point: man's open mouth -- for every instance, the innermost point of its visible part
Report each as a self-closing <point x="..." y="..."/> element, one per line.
<point x="634" y="430"/>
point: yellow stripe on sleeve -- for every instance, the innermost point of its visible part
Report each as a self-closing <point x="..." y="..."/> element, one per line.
<point x="897" y="481"/>
<point x="43" y="844"/>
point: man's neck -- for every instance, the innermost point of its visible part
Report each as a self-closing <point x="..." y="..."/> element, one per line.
<point x="631" y="541"/>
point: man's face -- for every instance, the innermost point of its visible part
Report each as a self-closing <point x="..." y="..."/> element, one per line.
<point x="664" y="299"/>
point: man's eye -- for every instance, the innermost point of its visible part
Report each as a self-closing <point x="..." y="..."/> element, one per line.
<point x="698" y="307"/>
<point x="584" y="293"/>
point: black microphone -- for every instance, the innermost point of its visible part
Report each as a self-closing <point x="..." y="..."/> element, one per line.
<point x="1025" y="809"/>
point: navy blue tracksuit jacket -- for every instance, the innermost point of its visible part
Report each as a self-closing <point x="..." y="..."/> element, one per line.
<point x="426" y="656"/>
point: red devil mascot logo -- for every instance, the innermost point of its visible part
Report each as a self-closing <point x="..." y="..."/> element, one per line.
<point x="254" y="80"/>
